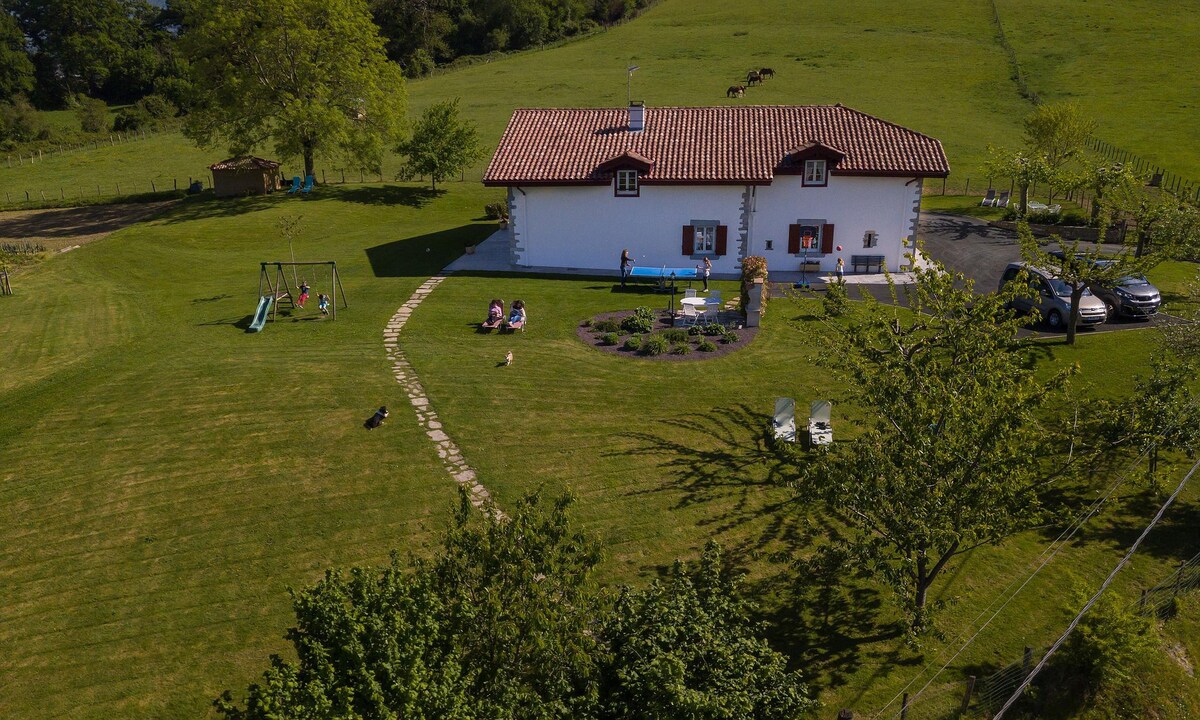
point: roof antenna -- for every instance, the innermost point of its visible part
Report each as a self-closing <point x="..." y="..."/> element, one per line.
<point x="629" y="83"/>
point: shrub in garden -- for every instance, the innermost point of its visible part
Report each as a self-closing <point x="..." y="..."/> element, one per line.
<point x="654" y="345"/>
<point x="496" y="210"/>
<point x="695" y="330"/>
<point x="706" y="346"/>
<point x="606" y="326"/>
<point x="609" y="338"/>
<point x="641" y="321"/>
<point x="753" y="267"/>
<point x="681" y="349"/>
<point x="729" y="337"/>
<point x="675" y="335"/>
<point x="633" y="342"/>
<point x="714" y="329"/>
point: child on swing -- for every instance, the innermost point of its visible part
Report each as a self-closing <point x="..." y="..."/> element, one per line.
<point x="303" y="294"/>
<point x="323" y="303"/>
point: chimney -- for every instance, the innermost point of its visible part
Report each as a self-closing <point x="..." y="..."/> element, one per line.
<point x="637" y="116"/>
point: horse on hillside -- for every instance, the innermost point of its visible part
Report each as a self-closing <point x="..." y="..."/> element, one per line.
<point x="735" y="91"/>
<point x="753" y="78"/>
<point x="765" y="73"/>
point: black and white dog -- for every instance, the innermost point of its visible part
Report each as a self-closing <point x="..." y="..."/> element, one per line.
<point x="377" y="419"/>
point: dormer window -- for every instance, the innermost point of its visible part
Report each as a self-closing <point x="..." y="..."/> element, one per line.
<point x="627" y="183"/>
<point x="814" y="172"/>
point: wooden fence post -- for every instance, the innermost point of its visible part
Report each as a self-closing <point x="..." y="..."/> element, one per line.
<point x="966" y="701"/>
<point x="904" y="707"/>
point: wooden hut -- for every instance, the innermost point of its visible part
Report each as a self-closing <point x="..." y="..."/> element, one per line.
<point x="245" y="175"/>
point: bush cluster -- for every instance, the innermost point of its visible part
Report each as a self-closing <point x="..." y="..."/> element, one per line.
<point x="633" y="343"/>
<point x="653" y="345"/>
<point x="706" y="346"/>
<point x="607" y="325"/>
<point x="609" y="338"/>
<point x="496" y="210"/>
<point x="641" y="321"/>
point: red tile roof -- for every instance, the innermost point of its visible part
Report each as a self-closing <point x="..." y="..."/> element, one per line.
<point x="740" y="144"/>
<point x="244" y="163"/>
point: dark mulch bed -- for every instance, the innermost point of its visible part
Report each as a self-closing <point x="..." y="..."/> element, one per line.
<point x="663" y="322"/>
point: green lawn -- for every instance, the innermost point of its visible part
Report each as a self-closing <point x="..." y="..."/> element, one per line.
<point x="165" y="476"/>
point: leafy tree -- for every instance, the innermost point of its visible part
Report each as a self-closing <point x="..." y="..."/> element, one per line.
<point x="957" y="438"/>
<point x="1080" y="266"/>
<point x="504" y="622"/>
<point x="308" y="75"/>
<point x="79" y="44"/>
<point x="1025" y="167"/>
<point x="20" y="122"/>
<point x="686" y="648"/>
<point x="1058" y="133"/>
<point x="1105" y="179"/>
<point x="443" y="144"/>
<point x="16" y="70"/>
<point x="1162" y="414"/>
<point x="1165" y="224"/>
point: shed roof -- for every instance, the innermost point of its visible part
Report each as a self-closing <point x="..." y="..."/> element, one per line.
<point x="245" y="163"/>
<point x="739" y="144"/>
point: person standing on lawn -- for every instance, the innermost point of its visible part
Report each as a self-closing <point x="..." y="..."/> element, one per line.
<point x="707" y="271"/>
<point x="626" y="265"/>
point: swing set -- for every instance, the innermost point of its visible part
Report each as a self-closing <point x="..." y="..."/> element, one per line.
<point x="275" y="285"/>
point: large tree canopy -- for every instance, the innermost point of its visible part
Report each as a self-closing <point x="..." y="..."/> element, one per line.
<point x="959" y="432"/>
<point x="16" y="71"/>
<point x="309" y="76"/>
<point x="505" y="623"/>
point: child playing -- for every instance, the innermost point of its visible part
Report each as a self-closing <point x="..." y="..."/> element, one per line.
<point x="517" y="314"/>
<point x="323" y="303"/>
<point x="303" y="294"/>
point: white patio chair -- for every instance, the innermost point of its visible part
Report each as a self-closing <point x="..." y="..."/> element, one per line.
<point x="689" y="292"/>
<point x="687" y="314"/>
<point x="784" y="422"/>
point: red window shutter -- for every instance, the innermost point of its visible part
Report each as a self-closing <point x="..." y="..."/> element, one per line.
<point x="794" y="239"/>
<point x="689" y="239"/>
<point x="722" y="239"/>
<point x="827" y="238"/>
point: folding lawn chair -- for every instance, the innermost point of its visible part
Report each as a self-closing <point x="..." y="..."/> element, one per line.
<point x="295" y="188"/>
<point x="1002" y="201"/>
<point x="308" y="185"/>
<point x="989" y="199"/>
<point x="783" y="424"/>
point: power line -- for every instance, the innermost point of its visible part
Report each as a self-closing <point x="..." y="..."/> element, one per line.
<point x="1095" y="598"/>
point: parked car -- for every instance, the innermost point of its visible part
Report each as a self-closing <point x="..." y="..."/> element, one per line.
<point x="1131" y="296"/>
<point x="1051" y="297"/>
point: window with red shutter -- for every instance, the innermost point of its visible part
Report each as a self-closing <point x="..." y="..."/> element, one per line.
<point x="794" y="239"/>
<point x="722" y="239"/>
<point x="689" y="239"/>
<point x="827" y="238"/>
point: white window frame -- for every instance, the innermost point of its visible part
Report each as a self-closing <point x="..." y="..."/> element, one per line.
<point x="705" y="239"/>
<point x="627" y="183"/>
<point x="816" y="172"/>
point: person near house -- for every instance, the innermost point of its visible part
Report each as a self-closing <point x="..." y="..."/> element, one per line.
<point x="707" y="271"/>
<point x="626" y="266"/>
<point x="517" y="314"/>
<point x="303" y="294"/>
<point x="323" y="303"/>
<point x="840" y="270"/>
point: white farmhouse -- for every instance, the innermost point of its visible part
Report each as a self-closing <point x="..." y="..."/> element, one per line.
<point x="677" y="184"/>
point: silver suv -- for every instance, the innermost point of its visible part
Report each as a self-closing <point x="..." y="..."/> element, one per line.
<point x="1051" y="297"/>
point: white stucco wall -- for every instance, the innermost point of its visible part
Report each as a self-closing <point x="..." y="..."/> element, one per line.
<point x="854" y="205"/>
<point x="587" y="227"/>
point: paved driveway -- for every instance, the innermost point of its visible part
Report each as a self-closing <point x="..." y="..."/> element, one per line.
<point x="981" y="252"/>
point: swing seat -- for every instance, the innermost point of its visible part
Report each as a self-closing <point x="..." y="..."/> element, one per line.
<point x="492" y="324"/>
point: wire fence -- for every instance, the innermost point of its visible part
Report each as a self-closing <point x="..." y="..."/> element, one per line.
<point x="1161" y="600"/>
<point x="33" y="156"/>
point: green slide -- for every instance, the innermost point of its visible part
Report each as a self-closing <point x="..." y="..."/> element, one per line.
<point x="260" y="315"/>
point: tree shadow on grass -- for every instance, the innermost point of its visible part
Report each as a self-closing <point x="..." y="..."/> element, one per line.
<point x="425" y="255"/>
<point x="820" y="614"/>
<point x="206" y="206"/>
<point x="1175" y="538"/>
<point x="408" y="196"/>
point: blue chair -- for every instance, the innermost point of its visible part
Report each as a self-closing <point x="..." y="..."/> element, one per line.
<point x="295" y="185"/>
<point x="308" y="185"/>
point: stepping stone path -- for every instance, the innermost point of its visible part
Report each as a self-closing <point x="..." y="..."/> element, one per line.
<point x="449" y="453"/>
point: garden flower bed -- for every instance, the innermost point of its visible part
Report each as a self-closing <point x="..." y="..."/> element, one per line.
<point x="649" y="334"/>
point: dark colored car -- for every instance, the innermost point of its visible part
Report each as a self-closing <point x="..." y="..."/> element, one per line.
<point x="1131" y="296"/>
